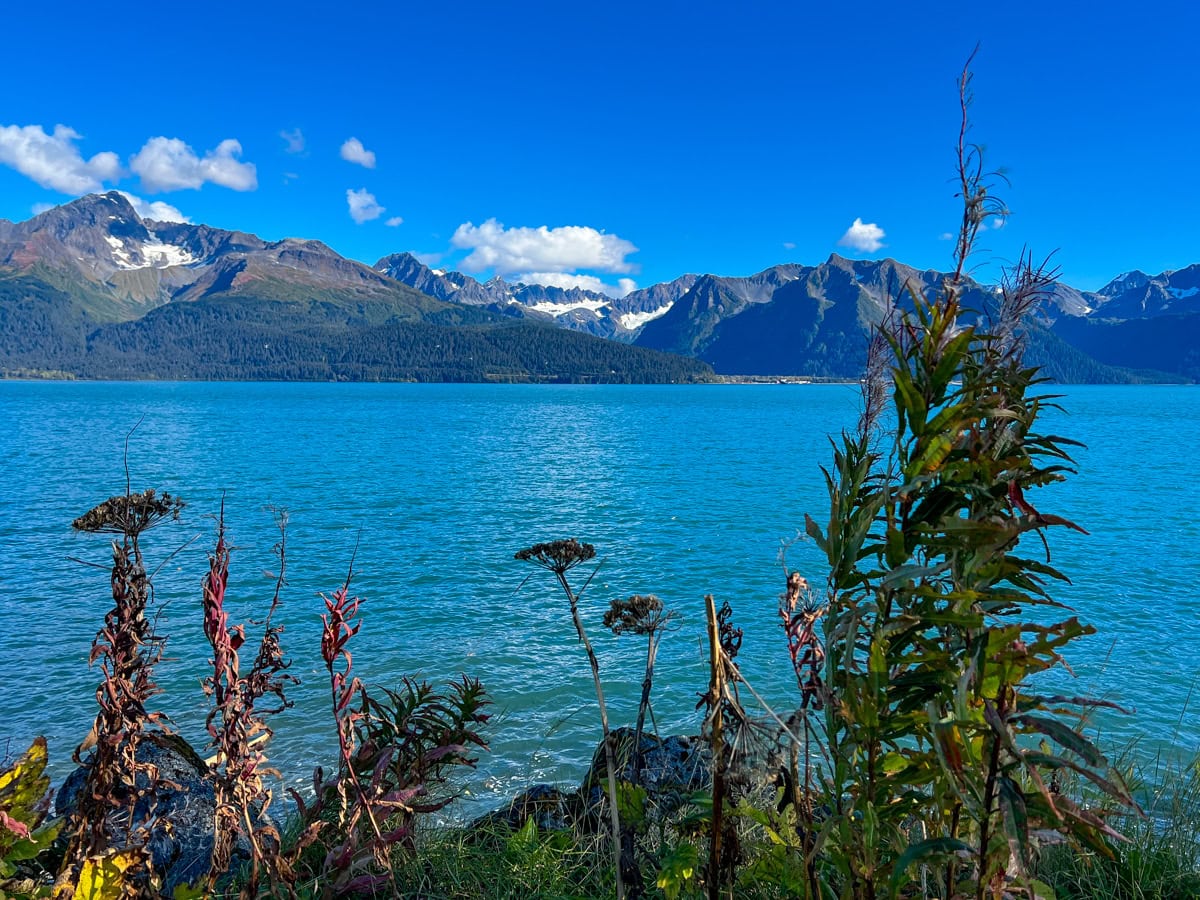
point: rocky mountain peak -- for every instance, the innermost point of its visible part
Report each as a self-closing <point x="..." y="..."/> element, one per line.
<point x="1127" y="281"/>
<point x="109" y="214"/>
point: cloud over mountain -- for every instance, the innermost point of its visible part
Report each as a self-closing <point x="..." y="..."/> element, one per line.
<point x="566" y="281"/>
<point x="363" y="206"/>
<point x="155" y="209"/>
<point x="865" y="237"/>
<point x="542" y="249"/>
<point x="169" y="164"/>
<point x="53" y="160"/>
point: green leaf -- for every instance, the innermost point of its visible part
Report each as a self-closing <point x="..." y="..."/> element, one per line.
<point x="631" y="803"/>
<point x="908" y="573"/>
<point x="935" y="454"/>
<point x="525" y="838"/>
<point x="1066" y="737"/>
<point x="939" y="847"/>
<point x="814" y="531"/>
<point x="678" y="869"/>
<point x="909" y="400"/>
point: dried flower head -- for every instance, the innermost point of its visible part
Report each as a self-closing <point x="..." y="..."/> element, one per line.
<point x="129" y="513"/>
<point x="558" y="556"/>
<point x="640" y="614"/>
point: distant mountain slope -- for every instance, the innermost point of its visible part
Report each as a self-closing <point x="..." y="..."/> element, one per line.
<point x="1136" y="295"/>
<point x="813" y="320"/>
<point x="1164" y="343"/>
<point x="243" y="339"/>
<point x="787" y="320"/>
<point x="118" y="265"/>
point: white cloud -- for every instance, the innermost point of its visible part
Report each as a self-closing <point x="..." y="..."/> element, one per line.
<point x="156" y="209"/>
<point x="865" y="237"/>
<point x="53" y="160"/>
<point x="394" y="221"/>
<point x="428" y="259"/>
<point x="363" y="207"/>
<point x="168" y="164"/>
<point x="39" y="208"/>
<point x="945" y="236"/>
<point x="354" y="151"/>
<point x="294" y="139"/>
<point x="565" y="249"/>
<point x="566" y="281"/>
<point x="789" y="245"/>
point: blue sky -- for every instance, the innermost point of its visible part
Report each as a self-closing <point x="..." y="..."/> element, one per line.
<point x="620" y="143"/>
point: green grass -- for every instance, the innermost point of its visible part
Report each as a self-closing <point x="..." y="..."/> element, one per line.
<point x="453" y="863"/>
<point x="1160" y="860"/>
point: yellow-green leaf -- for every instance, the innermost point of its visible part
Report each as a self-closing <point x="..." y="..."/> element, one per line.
<point x="103" y="877"/>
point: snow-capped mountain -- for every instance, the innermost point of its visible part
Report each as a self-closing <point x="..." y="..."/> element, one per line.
<point x="619" y="318"/>
<point x="90" y="289"/>
<point x="1136" y="295"/>
<point x="121" y="265"/>
<point x="69" y="275"/>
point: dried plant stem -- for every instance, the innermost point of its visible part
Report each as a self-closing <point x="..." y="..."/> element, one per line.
<point x="716" y="694"/>
<point x="610" y="762"/>
<point x="644" y="703"/>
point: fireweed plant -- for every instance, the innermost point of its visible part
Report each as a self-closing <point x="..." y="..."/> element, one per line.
<point x="944" y="763"/>
<point x="126" y="650"/>
<point x="237" y="724"/>
<point x="396" y="754"/>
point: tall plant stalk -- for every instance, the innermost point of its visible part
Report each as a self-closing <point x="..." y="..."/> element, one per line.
<point x="237" y="724"/>
<point x="941" y="750"/>
<point x="126" y="648"/>
<point x="560" y="557"/>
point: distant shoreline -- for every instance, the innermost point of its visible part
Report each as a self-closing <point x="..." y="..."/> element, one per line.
<point x="732" y="380"/>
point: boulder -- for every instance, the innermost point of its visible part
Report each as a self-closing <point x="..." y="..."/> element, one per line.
<point x="550" y="809"/>
<point x="180" y="810"/>
<point x="671" y="770"/>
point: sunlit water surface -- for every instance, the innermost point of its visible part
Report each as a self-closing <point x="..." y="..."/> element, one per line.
<point x="683" y="490"/>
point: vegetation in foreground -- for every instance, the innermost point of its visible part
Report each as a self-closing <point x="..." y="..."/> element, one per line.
<point x="920" y="760"/>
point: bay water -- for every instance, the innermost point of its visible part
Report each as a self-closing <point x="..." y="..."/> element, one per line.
<point x="431" y="489"/>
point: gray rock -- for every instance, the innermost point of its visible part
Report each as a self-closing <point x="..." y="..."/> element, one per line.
<point x="180" y="810"/>
<point x="550" y="809"/>
<point x="671" y="770"/>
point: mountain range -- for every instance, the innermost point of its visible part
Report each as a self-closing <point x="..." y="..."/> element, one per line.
<point x="90" y="289"/>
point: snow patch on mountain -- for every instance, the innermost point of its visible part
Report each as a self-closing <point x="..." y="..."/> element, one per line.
<point x="154" y="254"/>
<point x="162" y="256"/>
<point x="558" y="309"/>
<point x="635" y="320"/>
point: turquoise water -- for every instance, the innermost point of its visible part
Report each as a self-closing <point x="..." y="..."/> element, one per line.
<point x="683" y="490"/>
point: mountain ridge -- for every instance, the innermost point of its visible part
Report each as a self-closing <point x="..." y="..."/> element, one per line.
<point x="82" y="280"/>
<point x="93" y="290"/>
